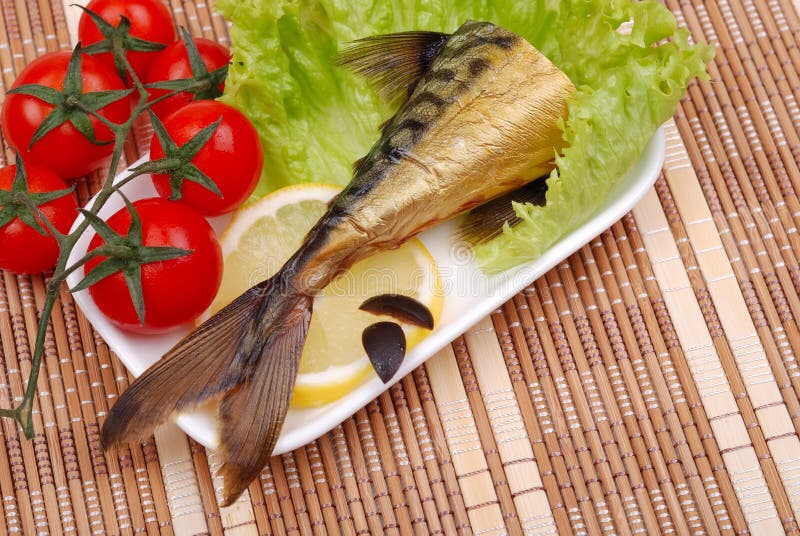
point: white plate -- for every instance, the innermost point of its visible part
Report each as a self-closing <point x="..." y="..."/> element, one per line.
<point x="476" y="296"/>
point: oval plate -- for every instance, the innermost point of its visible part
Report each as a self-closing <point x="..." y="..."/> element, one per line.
<point x="477" y="295"/>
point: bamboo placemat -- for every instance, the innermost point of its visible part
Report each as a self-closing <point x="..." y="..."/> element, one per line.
<point x="648" y="384"/>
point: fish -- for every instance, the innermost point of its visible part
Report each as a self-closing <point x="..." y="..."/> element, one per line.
<point x="478" y="115"/>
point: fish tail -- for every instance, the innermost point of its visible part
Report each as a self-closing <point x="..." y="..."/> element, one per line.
<point x="246" y="356"/>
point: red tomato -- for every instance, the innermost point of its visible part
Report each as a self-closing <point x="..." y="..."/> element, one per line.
<point x="232" y="158"/>
<point x="22" y="248"/>
<point x="172" y="63"/>
<point x="64" y="150"/>
<point x="151" y="20"/>
<point x="175" y="291"/>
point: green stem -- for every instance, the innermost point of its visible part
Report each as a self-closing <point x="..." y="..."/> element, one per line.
<point x="23" y="413"/>
<point x="114" y="126"/>
<point x="47" y="223"/>
<point x="120" y="133"/>
<point x="164" y="97"/>
<point x="110" y="124"/>
<point x="80" y="262"/>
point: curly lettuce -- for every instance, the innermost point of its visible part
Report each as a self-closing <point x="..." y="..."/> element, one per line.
<point x="316" y="119"/>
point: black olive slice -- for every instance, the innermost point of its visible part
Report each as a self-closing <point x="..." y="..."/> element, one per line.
<point x="403" y="308"/>
<point x="385" y="344"/>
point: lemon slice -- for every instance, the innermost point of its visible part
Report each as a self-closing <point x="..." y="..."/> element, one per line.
<point x="264" y="234"/>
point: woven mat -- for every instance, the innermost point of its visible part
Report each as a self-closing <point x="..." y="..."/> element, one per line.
<point x="649" y="384"/>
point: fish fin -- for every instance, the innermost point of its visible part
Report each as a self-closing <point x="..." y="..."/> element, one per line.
<point x="403" y="308"/>
<point x="252" y="414"/>
<point x="195" y="369"/>
<point x="394" y="63"/>
<point x="385" y="344"/>
<point x="485" y="222"/>
<point x="247" y="355"/>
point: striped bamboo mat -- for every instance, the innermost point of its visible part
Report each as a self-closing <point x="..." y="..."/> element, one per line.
<point x="648" y="384"/>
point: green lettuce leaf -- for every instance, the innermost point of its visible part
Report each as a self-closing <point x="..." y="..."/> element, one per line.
<point x="316" y="119"/>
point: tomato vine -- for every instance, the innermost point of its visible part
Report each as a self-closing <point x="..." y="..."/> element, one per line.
<point x="76" y="106"/>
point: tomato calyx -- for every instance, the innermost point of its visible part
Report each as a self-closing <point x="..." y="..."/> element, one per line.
<point x="18" y="202"/>
<point x="177" y="161"/>
<point x="124" y="254"/>
<point x="71" y="103"/>
<point x="204" y="85"/>
<point x="118" y="41"/>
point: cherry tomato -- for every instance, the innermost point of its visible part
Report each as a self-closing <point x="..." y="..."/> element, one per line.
<point x="232" y="158"/>
<point x="175" y="291"/>
<point x="151" y="20"/>
<point x="64" y="150"/>
<point x="172" y="63"/>
<point x="23" y="249"/>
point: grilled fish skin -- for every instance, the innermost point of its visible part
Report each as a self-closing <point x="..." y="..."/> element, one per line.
<point x="479" y="117"/>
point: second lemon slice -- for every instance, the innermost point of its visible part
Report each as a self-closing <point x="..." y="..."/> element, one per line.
<point x="264" y="234"/>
